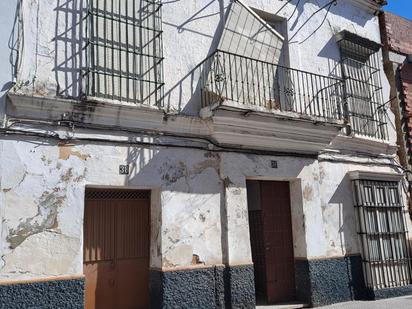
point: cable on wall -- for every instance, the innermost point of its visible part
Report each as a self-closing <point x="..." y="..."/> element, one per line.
<point x="330" y="3"/>
<point x="321" y="24"/>
<point x="282" y="7"/>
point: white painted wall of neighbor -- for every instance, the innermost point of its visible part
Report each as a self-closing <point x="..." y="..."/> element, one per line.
<point x="7" y="10"/>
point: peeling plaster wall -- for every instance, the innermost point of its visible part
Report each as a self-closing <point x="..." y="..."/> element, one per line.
<point x="199" y="205"/>
<point x="43" y="189"/>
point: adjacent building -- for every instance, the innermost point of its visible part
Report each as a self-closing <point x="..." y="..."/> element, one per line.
<point x="198" y="154"/>
<point x="397" y="51"/>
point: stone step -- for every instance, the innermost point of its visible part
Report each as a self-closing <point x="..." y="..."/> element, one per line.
<point x="289" y="305"/>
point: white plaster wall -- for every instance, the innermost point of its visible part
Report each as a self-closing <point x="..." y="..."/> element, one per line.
<point x="43" y="189"/>
<point x="306" y="215"/>
<point x="199" y="203"/>
<point x="338" y="212"/>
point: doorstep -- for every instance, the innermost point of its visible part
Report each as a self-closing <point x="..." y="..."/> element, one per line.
<point x="290" y="305"/>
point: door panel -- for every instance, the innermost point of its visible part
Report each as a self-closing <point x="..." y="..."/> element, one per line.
<point x="132" y="289"/>
<point x="278" y="242"/>
<point x="116" y="249"/>
<point x="132" y="254"/>
<point x="100" y="280"/>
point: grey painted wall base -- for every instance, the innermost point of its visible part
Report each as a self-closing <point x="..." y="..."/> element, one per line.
<point x="214" y="287"/>
<point x="328" y="281"/>
<point x="43" y="295"/>
<point x="392" y="292"/>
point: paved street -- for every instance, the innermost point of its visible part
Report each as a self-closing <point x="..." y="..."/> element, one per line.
<point x="393" y="303"/>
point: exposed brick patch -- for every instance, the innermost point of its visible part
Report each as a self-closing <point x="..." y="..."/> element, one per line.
<point x="396" y="33"/>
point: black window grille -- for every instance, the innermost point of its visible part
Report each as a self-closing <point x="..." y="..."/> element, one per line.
<point x="383" y="234"/>
<point x="124" y="51"/>
<point x="360" y="64"/>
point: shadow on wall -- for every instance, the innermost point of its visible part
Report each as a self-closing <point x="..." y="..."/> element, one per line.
<point x="14" y="45"/>
<point x="238" y="32"/>
<point x="174" y="97"/>
<point x="69" y="42"/>
<point x="341" y="9"/>
<point x="342" y="203"/>
<point x="331" y="52"/>
<point x="180" y="175"/>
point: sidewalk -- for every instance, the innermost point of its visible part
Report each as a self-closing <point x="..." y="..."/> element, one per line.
<point x="391" y="303"/>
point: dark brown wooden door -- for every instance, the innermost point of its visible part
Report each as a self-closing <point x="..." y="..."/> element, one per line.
<point x="278" y="241"/>
<point x="270" y="227"/>
<point x="116" y="249"/>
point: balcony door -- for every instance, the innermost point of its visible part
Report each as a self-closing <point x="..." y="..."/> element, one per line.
<point x="270" y="227"/>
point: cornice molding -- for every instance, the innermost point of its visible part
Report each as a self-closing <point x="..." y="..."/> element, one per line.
<point x="366" y="175"/>
<point x="362" y="145"/>
<point x="281" y="131"/>
<point x="372" y="6"/>
<point x="225" y="124"/>
<point x="105" y="114"/>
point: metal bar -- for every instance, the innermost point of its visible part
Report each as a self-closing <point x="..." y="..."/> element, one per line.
<point x="127" y="51"/>
<point x="134" y="23"/>
<point x="383" y="233"/>
<point x="112" y="71"/>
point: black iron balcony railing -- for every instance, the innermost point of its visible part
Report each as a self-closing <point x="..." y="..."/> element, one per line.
<point x="252" y="83"/>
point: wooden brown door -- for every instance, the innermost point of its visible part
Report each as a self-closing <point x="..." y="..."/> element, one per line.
<point x="278" y="241"/>
<point x="116" y="249"/>
<point x="271" y="240"/>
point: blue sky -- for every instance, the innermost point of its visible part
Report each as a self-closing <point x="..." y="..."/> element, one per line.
<point x="400" y="7"/>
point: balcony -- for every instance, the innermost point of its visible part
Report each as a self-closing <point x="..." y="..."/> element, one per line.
<point x="249" y="100"/>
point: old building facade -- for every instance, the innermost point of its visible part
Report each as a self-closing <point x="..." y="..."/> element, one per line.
<point x="198" y="154"/>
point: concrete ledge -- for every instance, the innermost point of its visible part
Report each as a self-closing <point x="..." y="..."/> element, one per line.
<point x="68" y="293"/>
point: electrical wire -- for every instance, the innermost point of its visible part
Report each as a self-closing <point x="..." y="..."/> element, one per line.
<point x="310" y="17"/>
<point x="216" y="147"/>
<point x="282" y="7"/>
<point x="321" y="24"/>
<point x="294" y="11"/>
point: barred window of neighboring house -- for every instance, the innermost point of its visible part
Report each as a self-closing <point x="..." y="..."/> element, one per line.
<point x="360" y="66"/>
<point x="383" y="233"/>
<point x="124" y="51"/>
